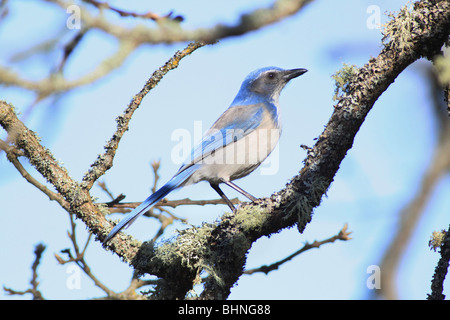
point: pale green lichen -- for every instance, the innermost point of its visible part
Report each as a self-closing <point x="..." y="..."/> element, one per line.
<point x="342" y="78"/>
<point x="436" y="239"/>
<point x="102" y="207"/>
<point x="397" y="32"/>
<point x="190" y="248"/>
<point x="250" y="218"/>
<point x="306" y="203"/>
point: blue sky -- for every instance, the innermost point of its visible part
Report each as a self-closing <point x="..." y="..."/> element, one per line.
<point x="379" y="175"/>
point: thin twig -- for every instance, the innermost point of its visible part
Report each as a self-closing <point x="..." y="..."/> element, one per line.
<point x="37" y="295"/>
<point x="155" y="167"/>
<point x="103" y="186"/>
<point x="175" y="203"/>
<point x="79" y="258"/>
<point x="12" y="155"/>
<point x="342" y="235"/>
<point x="123" y="13"/>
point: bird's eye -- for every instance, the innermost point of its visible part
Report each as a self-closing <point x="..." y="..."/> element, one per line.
<point x="271" y="75"/>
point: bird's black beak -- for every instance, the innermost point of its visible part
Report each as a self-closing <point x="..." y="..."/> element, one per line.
<point x="293" y="73"/>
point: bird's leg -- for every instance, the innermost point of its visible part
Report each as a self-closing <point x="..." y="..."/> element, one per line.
<point x="223" y="196"/>
<point x="235" y="187"/>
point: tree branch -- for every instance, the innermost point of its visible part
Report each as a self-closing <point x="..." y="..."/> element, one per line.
<point x="105" y="161"/>
<point x="123" y="13"/>
<point x="12" y="156"/>
<point x="343" y="235"/>
<point x="56" y="83"/>
<point x="37" y="295"/>
<point x="176" y="203"/>
<point x="169" y="31"/>
<point x="437" y="283"/>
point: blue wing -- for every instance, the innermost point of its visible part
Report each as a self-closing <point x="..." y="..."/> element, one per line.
<point x="234" y="124"/>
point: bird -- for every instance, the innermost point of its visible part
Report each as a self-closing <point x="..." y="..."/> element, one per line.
<point x="235" y="145"/>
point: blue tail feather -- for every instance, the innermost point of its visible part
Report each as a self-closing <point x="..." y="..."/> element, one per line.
<point x="174" y="183"/>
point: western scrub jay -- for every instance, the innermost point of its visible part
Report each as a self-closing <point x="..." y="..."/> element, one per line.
<point x="243" y="136"/>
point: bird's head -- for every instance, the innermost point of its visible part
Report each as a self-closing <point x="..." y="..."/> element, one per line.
<point x="267" y="83"/>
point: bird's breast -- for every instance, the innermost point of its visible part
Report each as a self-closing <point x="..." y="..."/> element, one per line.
<point x="238" y="159"/>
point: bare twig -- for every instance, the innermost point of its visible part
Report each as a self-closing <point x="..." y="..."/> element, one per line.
<point x="12" y="155"/>
<point x="69" y="48"/>
<point x="155" y="167"/>
<point x="79" y="258"/>
<point x="343" y="235"/>
<point x="37" y="295"/>
<point x="123" y="13"/>
<point x="176" y="203"/>
<point x="115" y="200"/>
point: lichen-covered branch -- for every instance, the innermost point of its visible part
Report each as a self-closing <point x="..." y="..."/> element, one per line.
<point x="79" y="200"/>
<point x="105" y="160"/>
<point x="441" y="270"/>
<point x="123" y="13"/>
